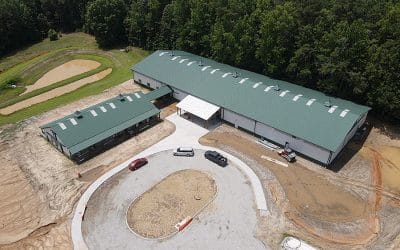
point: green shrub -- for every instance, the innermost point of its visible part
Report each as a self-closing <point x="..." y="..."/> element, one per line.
<point x="52" y="34"/>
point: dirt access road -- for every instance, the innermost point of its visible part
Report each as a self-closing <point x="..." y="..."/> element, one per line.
<point x="38" y="185"/>
<point x="331" y="210"/>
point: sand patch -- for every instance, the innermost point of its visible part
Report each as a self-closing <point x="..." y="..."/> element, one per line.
<point x="21" y="210"/>
<point x="62" y="72"/>
<point x="184" y="193"/>
<point x="390" y="167"/>
<point x="54" y="92"/>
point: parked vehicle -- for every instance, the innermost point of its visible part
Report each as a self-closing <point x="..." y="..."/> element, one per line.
<point x="138" y="163"/>
<point x="288" y="154"/>
<point x="216" y="157"/>
<point x="184" y="151"/>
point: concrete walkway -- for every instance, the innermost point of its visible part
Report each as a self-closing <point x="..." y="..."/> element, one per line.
<point x="186" y="134"/>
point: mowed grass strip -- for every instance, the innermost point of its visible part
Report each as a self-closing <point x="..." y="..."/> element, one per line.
<point x="7" y="99"/>
<point x="72" y="40"/>
<point x="29" y="65"/>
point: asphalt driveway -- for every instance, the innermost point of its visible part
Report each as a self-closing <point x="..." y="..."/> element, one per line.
<point x="229" y="222"/>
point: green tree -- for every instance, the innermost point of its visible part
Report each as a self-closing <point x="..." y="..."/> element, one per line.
<point x="143" y="22"/>
<point x="167" y="35"/>
<point x="17" y="25"/>
<point x="135" y="24"/>
<point x="64" y="15"/>
<point x="275" y="46"/>
<point x="304" y="66"/>
<point x="342" y="57"/>
<point x="383" y="70"/>
<point x="53" y="35"/>
<point x="105" y="20"/>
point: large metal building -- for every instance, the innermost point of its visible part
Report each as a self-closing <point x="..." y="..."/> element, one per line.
<point x="312" y="123"/>
<point x="88" y="132"/>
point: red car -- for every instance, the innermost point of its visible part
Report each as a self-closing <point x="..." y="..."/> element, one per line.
<point x="138" y="163"/>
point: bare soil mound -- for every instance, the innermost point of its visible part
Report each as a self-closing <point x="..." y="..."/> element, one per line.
<point x="39" y="185"/>
<point x="62" y="72"/>
<point x="184" y="193"/>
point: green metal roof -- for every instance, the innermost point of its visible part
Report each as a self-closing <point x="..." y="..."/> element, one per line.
<point x="157" y="93"/>
<point x="100" y="121"/>
<point x="253" y="95"/>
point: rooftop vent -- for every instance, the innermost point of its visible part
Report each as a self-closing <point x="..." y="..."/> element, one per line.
<point x="328" y="103"/>
<point x="78" y="114"/>
<point x="121" y="97"/>
<point x="276" y="88"/>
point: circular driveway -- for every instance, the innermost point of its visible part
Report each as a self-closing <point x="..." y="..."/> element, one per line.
<point x="229" y="222"/>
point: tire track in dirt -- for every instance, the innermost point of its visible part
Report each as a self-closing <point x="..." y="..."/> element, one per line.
<point x="373" y="226"/>
<point x="353" y="232"/>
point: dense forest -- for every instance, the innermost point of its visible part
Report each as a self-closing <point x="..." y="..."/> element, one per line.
<point x="349" y="49"/>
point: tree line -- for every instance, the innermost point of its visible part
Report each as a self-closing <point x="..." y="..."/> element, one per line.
<point x="348" y="49"/>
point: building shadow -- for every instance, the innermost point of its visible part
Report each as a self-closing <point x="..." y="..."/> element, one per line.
<point x="351" y="149"/>
<point x="391" y="130"/>
<point x="164" y="101"/>
<point x="211" y="124"/>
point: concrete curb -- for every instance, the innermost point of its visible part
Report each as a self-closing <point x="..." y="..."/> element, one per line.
<point x="168" y="143"/>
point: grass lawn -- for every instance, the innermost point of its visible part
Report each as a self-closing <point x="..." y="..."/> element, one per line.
<point x="30" y="64"/>
<point x="72" y="40"/>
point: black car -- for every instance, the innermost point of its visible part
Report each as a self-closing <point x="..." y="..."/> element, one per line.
<point x="216" y="158"/>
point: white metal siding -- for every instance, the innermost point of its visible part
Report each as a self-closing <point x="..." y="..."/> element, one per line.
<point x="239" y="120"/>
<point x="296" y="144"/>
<point x="179" y="94"/>
<point x="147" y="81"/>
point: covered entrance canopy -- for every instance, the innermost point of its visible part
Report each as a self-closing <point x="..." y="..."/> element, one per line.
<point x="198" y="107"/>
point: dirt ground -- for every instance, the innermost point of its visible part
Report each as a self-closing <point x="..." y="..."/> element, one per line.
<point x="341" y="209"/>
<point x="55" y="92"/>
<point x="39" y="186"/>
<point x="184" y="193"/>
<point x="62" y="72"/>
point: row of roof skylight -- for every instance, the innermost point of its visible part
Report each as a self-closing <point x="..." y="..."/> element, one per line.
<point x="275" y="87"/>
<point x="103" y="108"/>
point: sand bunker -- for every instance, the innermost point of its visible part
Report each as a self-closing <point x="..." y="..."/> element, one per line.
<point x="184" y="193"/>
<point x="54" y="92"/>
<point x="62" y="72"/>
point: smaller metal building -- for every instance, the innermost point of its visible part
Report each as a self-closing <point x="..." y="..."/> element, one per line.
<point x="91" y="131"/>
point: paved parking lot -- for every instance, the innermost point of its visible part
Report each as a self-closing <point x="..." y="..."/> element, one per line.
<point x="229" y="222"/>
